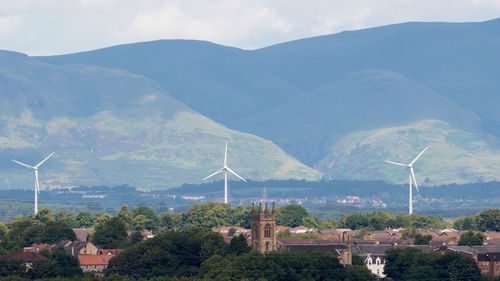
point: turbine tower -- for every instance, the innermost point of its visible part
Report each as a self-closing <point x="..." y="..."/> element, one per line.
<point x="35" y="168"/>
<point x="412" y="175"/>
<point x="225" y="169"/>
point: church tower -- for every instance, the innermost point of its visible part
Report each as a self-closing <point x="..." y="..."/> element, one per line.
<point x="263" y="229"/>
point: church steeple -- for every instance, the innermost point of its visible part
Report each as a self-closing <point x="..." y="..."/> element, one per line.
<point x="264" y="229"/>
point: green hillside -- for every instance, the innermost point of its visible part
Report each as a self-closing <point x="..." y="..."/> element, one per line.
<point x="110" y="127"/>
<point x="454" y="156"/>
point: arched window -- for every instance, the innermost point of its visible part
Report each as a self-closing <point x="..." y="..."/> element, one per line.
<point x="267" y="231"/>
<point x="267" y="246"/>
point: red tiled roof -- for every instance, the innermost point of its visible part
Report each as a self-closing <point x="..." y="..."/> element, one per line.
<point x="94" y="259"/>
<point x="25" y="257"/>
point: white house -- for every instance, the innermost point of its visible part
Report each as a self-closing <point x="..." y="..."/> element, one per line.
<point x="376" y="265"/>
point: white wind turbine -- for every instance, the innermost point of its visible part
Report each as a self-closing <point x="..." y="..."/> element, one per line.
<point x="412" y="175"/>
<point x="225" y="169"/>
<point x="35" y="168"/>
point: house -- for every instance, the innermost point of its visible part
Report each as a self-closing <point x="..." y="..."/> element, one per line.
<point x="26" y="257"/>
<point x="147" y="234"/>
<point x="373" y="255"/>
<point x="301" y="229"/>
<point x="35" y="248"/>
<point x="381" y="235"/>
<point x="76" y="248"/>
<point x="94" y="263"/>
<point x="343" y="250"/>
<point x="82" y="234"/>
<point x="281" y="228"/>
<point x="225" y="230"/>
<point x="486" y="257"/>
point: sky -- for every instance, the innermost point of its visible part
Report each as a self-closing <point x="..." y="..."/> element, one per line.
<point x="49" y="27"/>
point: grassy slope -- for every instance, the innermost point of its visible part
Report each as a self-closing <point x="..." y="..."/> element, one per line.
<point x="112" y="127"/>
<point x="454" y="155"/>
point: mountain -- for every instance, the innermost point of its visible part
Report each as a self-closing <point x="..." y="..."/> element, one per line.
<point x="109" y="126"/>
<point x="311" y="95"/>
<point x="222" y="82"/>
<point x="454" y="156"/>
<point x="359" y="101"/>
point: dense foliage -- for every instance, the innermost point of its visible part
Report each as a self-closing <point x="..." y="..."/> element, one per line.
<point x="412" y="264"/>
<point x="471" y="239"/>
<point x="53" y="264"/>
<point x="172" y="253"/>
<point x="45" y="227"/>
<point x="487" y="220"/>
<point x="322" y="265"/>
<point x="382" y="220"/>
<point x="200" y="253"/>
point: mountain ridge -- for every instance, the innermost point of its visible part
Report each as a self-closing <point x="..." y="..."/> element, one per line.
<point x="274" y="92"/>
<point x="109" y="126"/>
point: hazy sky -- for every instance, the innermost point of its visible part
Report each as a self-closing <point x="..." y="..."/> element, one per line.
<point x="44" y="27"/>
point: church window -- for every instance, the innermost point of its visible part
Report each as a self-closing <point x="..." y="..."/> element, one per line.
<point x="267" y="246"/>
<point x="267" y="231"/>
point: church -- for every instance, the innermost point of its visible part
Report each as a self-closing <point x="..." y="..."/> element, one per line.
<point x="264" y="239"/>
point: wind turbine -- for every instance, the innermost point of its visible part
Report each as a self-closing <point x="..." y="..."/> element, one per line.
<point x="412" y="175"/>
<point x="225" y="169"/>
<point x="35" y="168"/>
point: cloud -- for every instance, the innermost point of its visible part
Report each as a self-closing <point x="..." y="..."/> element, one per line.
<point x="61" y="26"/>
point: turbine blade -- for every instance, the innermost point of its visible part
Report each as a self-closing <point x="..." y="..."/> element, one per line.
<point x="214" y="173"/>
<point x="396" y="163"/>
<point x="22" y="164"/>
<point x="46" y="158"/>
<point x="225" y="156"/>
<point x="418" y="156"/>
<point x="234" y="173"/>
<point x="414" y="179"/>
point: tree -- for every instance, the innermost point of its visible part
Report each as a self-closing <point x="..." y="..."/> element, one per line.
<point x="135" y="237"/>
<point x="231" y="231"/>
<point x="409" y="233"/>
<point x="44" y="215"/>
<point x="54" y="232"/>
<point x="126" y="216"/>
<point x="464" y="223"/>
<point x="412" y="264"/>
<point x="290" y="215"/>
<point x="488" y="219"/>
<point x="471" y="239"/>
<point x="238" y="245"/>
<point x="172" y="253"/>
<point x="354" y="221"/>
<point x="112" y="234"/>
<point x="67" y="218"/>
<point x="84" y="220"/>
<point x="151" y="221"/>
<point x="210" y="214"/>
<point x="139" y="223"/>
<point x="312" y="222"/>
<point x="100" y="218"/>
<point x="422" y="239"/>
